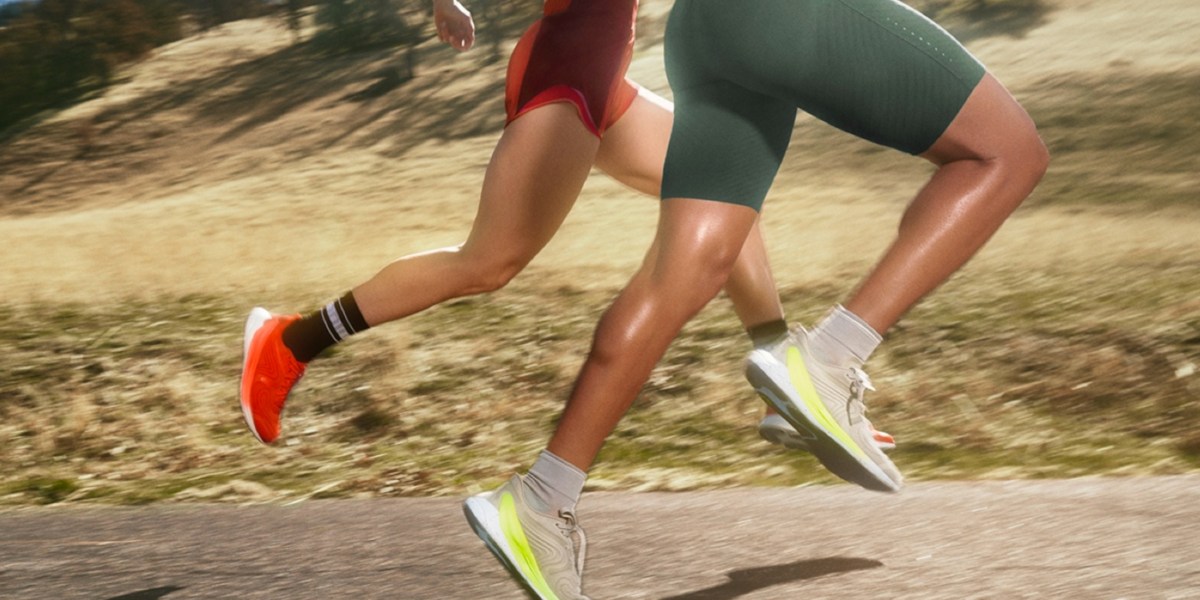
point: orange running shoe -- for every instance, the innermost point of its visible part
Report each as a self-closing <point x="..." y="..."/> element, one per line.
<point x="269" y="371"/>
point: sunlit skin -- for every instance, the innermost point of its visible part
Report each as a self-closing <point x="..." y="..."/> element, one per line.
<point x="535" y="175"/>
<point x="988" y="161"/>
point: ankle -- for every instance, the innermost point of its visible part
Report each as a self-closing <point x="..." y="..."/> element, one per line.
<point x="554" y="483"/>
<point x="844" y="339"/>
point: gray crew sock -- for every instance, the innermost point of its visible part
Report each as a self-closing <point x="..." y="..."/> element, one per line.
<point x="554" y="482"/>
<point x="843" y="339"/>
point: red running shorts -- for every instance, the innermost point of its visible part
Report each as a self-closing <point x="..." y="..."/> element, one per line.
<point x="577" y="52"/>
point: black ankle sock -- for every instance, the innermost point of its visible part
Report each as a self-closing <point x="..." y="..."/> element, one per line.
<point x="767" y="333"/>
<point x="322" y="328"/>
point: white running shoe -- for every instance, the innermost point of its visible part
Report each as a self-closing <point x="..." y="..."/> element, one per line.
<point x="777" y="430"/>
<point x="825" y="405"/>
<point x="543" y="552"/>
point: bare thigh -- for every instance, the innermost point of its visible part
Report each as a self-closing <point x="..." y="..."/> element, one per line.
<point x="633" y="152"/>
<point x="535" y="174"/>
<point x="634" y="148"/>
<point x="991" y="125"/>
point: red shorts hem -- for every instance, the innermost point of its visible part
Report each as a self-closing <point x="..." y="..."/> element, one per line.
<point x="566" y="93"/>
<point x="560" y="93"/>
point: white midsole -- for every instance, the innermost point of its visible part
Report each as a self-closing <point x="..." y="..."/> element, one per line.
<point x="258" y="316"/>
<point x="777" y="372"/>
<point x="487" y="517"/>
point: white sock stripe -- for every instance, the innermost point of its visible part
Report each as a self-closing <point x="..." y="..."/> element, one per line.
<point x="341" y="310"/>
<point x="329" y="327"/>
<point x="332" y="314"/>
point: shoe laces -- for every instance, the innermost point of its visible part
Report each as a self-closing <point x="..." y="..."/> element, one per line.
<point x="859" y="384"/>
<point x="572" y="531"/>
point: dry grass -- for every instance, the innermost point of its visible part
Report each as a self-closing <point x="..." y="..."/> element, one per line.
<point x="999" y="375"/>
<point x="131" y="254"/>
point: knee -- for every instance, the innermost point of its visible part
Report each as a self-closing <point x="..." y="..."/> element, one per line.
<point x="1022" y="165"/>
<point x="1023" y="155"/>
<point x="1002" y="140"/>
<point x="716" y="266"/>
<point x="489" y="271"/>
<point x="649" y="313"/>
<point x="692" y="285"/>
<point x="1032" y="156"/>
<point x="1014" y="162"/>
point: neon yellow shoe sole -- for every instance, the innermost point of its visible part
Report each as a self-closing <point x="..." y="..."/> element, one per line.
<point x="825" y="437"/>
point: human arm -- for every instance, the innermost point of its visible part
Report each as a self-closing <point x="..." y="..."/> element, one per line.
<point x="454" y="24"/>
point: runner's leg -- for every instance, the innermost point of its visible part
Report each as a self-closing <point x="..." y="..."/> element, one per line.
<point x="696" y="245"/>
<point x="990" y="158"/>
<point x="633" y="152"/>
<point x="536" y="173"/>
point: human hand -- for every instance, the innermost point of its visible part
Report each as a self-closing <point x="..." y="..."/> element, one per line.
<point x="454" y="24"/>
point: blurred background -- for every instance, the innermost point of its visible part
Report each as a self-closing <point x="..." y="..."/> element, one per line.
<point x="165" y="165"/>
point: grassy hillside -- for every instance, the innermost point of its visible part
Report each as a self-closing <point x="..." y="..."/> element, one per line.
<point x="233" y="169"/>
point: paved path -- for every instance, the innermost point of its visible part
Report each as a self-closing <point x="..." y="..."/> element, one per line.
<point x="1076" y="539"/>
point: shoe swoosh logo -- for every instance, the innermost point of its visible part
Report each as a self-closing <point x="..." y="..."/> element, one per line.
<point x="510" y="526"/>
<point x="798" y="373"/>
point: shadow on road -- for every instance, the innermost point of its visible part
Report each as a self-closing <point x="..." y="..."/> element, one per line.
<point x="150" y="594"/>
<point x="744" y="581"/>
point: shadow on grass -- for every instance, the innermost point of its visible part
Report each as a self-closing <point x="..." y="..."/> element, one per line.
<point x="745" y="581"/>
<point x="391" y="105"/>
<point x="404" y="108"/>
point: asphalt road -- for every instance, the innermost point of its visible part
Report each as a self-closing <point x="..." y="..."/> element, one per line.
<point x="1075" y="539"/>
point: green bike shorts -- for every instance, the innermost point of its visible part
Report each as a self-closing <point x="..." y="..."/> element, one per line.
<point x="740" y="70"/>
